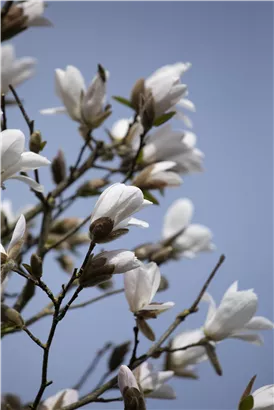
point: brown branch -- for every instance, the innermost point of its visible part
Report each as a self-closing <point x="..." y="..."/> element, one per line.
<point x="30" y="123"/>
<point x="136" y="342"/>
<point x="35" y="339"/>
<point x="135" y="159"/>
<point x="3" y="107"/>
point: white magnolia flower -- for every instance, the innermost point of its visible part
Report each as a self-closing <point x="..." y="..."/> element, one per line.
<point x="190" y="239"/>
<point x="166" y="144"/>
<point x="10" y="215"/>
<point x="14" y="71"/>
<point x="264" y="398"/>
<point x="122" y="260"/>
<point x="126" y="379"/>
<point x="158" y="176"/>
<point x="61" y="399"/>
<point x="153" y="382"/>
<point x="234" y="317"/>
<point x="15" y="245"/>
<point x="14" y="159"/>
<point x="33" y="10"/>
<point x="120" y="128"/>
<point x="141" y="285"/>
<point x="116" y="205"/>
<point x="167" y="90"/>
<point x="183" y="362"/>
<point x="86" y="106"/>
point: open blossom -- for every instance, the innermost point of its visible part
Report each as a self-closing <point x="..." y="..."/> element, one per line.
<point x="158" y="176"/>
<point x="61" y="399"/>
<point x="86" y="106"/>
<point x="189" y="239"/>
<point x="113" y="209"/>
<point x="141" y="285"/>
<point x="168" y="91"/>
<point x="264" y="398"/>
<point x="15" y="245"/>
<point x="183" y="362"/>
<point x="14" y="159"/>
<point x="153" y="382"/>
<point x="234" y="317"/>
<point x="166" y="144"/>
<point x="14" y="71"/>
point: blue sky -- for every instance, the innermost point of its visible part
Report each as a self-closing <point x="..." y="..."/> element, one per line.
<point x="230" y="45"/>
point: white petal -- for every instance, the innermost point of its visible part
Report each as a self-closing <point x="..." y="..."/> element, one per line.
<point x="126" y="379"/>
<point x="160" y="307"/>
<point x="137" y="222"/>
<point x="259" y="323"/>
<point x="212" y="306"/>
<point x="18" y="233"/>
<point x="12" y="146"/>
<point x="30" y="182"/>
<point x="178" y="216"/>
<point x="253" y="338"/>
<point x="163" y="392"/>
<point x="30" y="161"/>
<point x="187" y="104"/>
<point x="2" y="249"/>
<point x="120" y="128"/>
<point x="123" y="260"/>
<point x="52" y="111"/>
<point x="67" y="396"/>
<point x="264" y="398"/>
<point x="162" y="166"/>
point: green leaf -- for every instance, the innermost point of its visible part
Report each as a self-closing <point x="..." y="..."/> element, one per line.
<point x="122" y="100"/>
<point x="247" y="403"/>
<point x="140" y="157"/>
<point x="164" y="118"/>
<point x="28" y="268"/>
<point x="42" y="145"/>
<point x="148" y="195"/>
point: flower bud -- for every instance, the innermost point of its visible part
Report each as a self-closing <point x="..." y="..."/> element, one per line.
<point x="36" y="266"/>
<point x="66" y="263"/>
<point x="100" y="229"/>
<point x="35" y="142"/>
<point x="58" y="168"/>
<point x="106" y="285"/>
<point x="90" y="188"/>
<point x="162" y="255"/>
<point x="144" y="251"/>
<point x="133" y="399"/>
<point x="95" y="272"/>
<point x="62" y="226"/>
<point x="77" y="240"/>
<point x="137" y="94"/>
<point x="117" y="356"/>
<point x="11" y="316"/>
<point x="164" y="285"/>
<point x="144" y="327"/>
<point x="11" y="402"/>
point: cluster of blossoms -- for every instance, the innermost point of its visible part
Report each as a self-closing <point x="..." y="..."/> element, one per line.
<point x="159" y="159"/>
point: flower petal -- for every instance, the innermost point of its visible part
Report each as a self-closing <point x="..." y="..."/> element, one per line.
<point x="259" y="323"/>
<point x="30" y="182"/>
<point x="12" y="146"/>
<point x="178" y="216"/>
<point x="18" y="233"/>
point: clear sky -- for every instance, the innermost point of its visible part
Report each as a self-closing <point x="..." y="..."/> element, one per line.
<point x="230" y="45"/>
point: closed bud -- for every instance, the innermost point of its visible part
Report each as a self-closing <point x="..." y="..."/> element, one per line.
<point x="11" y="316"/>
<point x="10" y="402"/>
<point x="148" y="111"/>
<point x="58" y="168"/>
<point x="133" y="399"/>
<point x="96" y="280"/>
<point x="100" y="229"/>
<point x="117" y="356"/>
<point x="62" y="226"/>
<point x="137" y="95"/>
<point x="36" y="266"/>
<point x="106" y="285"/>
<point x="163" y="284"/>
<point x="35" y="142"/>
<point x="144" y="251"/>
<point x="162" y="255"/>
<point x="77" y="240"/>
<point x="144" y="327"/>
<point x="96" y="271"/>
<point x="90" y="188"/>
<point x="66" y="263"/>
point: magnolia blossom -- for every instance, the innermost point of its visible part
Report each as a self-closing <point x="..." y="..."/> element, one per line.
<point x="234" y="317"/>
<point x="120" y="128"/>
<point x="183" y="362"/>
<point x="189" y="239"/>
<point x="14" y="71"/>
<point x="86" y="106"/>
<point x="141" y="285"/>
<point x="166" y="144"/>
<point x="17" y="240"/>
<point x="167" y="90"/>
<point x="153" y="382"/>
<point x="14" y="159"/>
<point x="264" y="398"/>
<point x="113" y="210"/>
<point x="158" y="176"/>
<point x="33" y="10"/>
<point x="61" y="399"/>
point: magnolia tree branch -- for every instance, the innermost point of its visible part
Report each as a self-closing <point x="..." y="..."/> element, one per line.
<point x="89" y="398"/>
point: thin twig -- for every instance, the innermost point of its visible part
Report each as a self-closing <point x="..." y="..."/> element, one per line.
<point x="136" y="342"/>
<point x="35" y="339"/>
<point x="92" y="366"/>
<point x="29" y="122"/>
<point x="134" y="162"/>
<point x="3" y="107"/>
